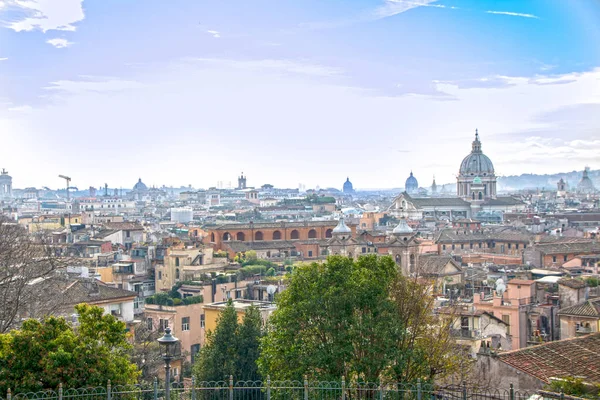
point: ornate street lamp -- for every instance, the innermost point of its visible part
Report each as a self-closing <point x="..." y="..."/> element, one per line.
<point x="169" y="346"/>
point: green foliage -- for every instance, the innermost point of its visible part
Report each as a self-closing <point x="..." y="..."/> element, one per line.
<point x="193" y="300"/>
<point x="252" y="270"/>
<point x="220" y="254"/>
<point x="334" y="319"/>
<point x="574" y="387"/>
<point x="232" y="349"/>
<point x="250" y="256"/>
<point x="222" y="278"/>
<point x="161" y="299"/>
<point x="358" y="319"/>
<point x="271" y="272"/>
<point x="44" y="353"/>
<point x="288" y="262"/>
<point x="592" y="281"/>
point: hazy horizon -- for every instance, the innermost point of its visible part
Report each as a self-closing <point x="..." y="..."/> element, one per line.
<point x="291" y="92"/>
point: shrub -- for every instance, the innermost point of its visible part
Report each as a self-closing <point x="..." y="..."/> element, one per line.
<point x="592" y="281"/>
<point x="251" y="270"/>
<point x="271" y="272"/>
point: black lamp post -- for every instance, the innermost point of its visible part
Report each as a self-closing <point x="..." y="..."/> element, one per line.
<point x="168" y="344"/>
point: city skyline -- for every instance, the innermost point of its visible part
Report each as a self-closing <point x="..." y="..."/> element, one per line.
<point x="197" y="92"/>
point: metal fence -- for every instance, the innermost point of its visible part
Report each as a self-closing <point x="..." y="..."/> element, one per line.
<point x="275" y="390"/>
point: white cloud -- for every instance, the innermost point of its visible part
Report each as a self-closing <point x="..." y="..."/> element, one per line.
<point x="287" y="66"/>
<point x="277" y="107"/>
<point x="92" y="84"/>
<point x="3" y="58"/>
<point x="47" y="15"/>
<point x="21" y="109"/>
<point x="513" y="14"/>
<point x="214" y="34"/>
<point x="59" y="43"/>
<point x="395" y="7"/>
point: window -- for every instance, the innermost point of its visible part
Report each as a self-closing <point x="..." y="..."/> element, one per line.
<point x="565" y="258"/>
<point x="159" y="275"/>
<point x="238" y="294"/>
<point x="479" y="244"/>
<point x="524" y="246"/>
<point x="443" y="247"/>
<point x="177" y="261"/>
<point x="194" y="350"/>
<point x="509" y="245"/>
<point x="163" y="324"/>
<point x="553" y="258"/>
<point x="470" y="245"/>
<point x="150" y="324"/>
<point x="310" y="253"/>
<point x="364" y="249"/>
<point x="128" y="233"/>
<point x="506" y="319"/>
<point x="517" y="246"/>
<point x="462" y="245"/>
<point x="185" y="323"/>
<point x="177" y="273"/>
<point x="202" y="321"/>
<point x="453" y="246"/>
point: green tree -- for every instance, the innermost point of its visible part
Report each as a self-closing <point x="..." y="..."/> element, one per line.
<point x="44" y="353"/>
<point x="232" y="349"/>
<point x="335" y="319"/>
<point x="357" y="319"/>
<point x="248" y="344"/>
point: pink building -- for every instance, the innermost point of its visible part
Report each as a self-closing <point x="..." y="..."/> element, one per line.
<point x="512" y="307"/>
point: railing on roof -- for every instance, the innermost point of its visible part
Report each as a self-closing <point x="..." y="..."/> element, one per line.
<point x="228" y="389"/>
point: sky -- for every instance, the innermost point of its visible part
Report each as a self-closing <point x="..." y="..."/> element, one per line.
<point x="193" y="92"/>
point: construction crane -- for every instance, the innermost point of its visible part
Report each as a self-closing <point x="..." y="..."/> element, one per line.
<point x="68" y="179"/>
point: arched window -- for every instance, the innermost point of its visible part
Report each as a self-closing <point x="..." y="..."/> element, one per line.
<point x="328" y="233"/>
<point x="277" y="235"/>
<point x="412" y="261"/>
<point x="480" y="195"/>
<point x="212" y="237"/>
<point x="312" y="234"/>
<point x="258" y="235"/>
<point x="226" y="236"/>
<point x="240" y="236"/>
<point x="473" y="195"/>
<point x="398" y="260"/>
<point x="177" y="261"/>
<point x="177" y="273"/>
<point x="295" y="234"/>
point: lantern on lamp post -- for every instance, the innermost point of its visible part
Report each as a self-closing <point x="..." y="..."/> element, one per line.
<point x="168" y="350"/>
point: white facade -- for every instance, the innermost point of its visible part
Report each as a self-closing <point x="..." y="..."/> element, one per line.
<point x="182" y="215"/>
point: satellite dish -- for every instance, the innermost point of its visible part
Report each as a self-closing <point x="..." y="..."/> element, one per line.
<point x="271" y="289"/>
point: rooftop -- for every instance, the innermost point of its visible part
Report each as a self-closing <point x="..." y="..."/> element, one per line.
<point x="559" y="359"/>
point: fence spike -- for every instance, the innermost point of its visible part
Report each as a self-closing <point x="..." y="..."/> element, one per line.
<point x="60" y="390"/>
<point x="8" y="394"/>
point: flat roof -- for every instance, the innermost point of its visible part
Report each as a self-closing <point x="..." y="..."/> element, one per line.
<point x="241" y="304"/>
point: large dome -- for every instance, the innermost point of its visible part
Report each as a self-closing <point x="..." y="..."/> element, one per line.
<point x="476" y="163"/>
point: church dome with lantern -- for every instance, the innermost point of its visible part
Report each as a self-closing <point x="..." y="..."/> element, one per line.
<point x="476" y="178"/>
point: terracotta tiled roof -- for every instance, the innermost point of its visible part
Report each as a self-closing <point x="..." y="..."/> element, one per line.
<point x="560" y="359"/>
<point x="567" y="247"/>
<point x="589" y="308"/>
<point x="280" y="225"/>
<point x="434" y="265"/>
<point x="461" y="235"/>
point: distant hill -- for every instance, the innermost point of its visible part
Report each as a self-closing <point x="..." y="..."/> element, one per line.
<point x="533" y="181"/>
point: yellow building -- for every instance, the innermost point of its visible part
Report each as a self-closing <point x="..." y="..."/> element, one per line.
<point x="212" y="311"/>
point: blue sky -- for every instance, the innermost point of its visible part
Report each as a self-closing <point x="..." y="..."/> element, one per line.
<point x="193" y="92"/>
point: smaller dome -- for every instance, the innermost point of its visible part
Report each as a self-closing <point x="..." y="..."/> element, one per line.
<point x="140" y="186"/>
<point x="342" y="227"/>
<point x="348" y="188"/>
<point x="402" y="228"/>
<point x="477" y="181"/>
<point x="411" y="184"/>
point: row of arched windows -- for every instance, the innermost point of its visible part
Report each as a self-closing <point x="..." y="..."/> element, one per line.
<point x="277" y="235"/>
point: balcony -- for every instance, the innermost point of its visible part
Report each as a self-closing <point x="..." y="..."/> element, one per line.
<point x="581" y="330"/>
<point x="465" y="333"/>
